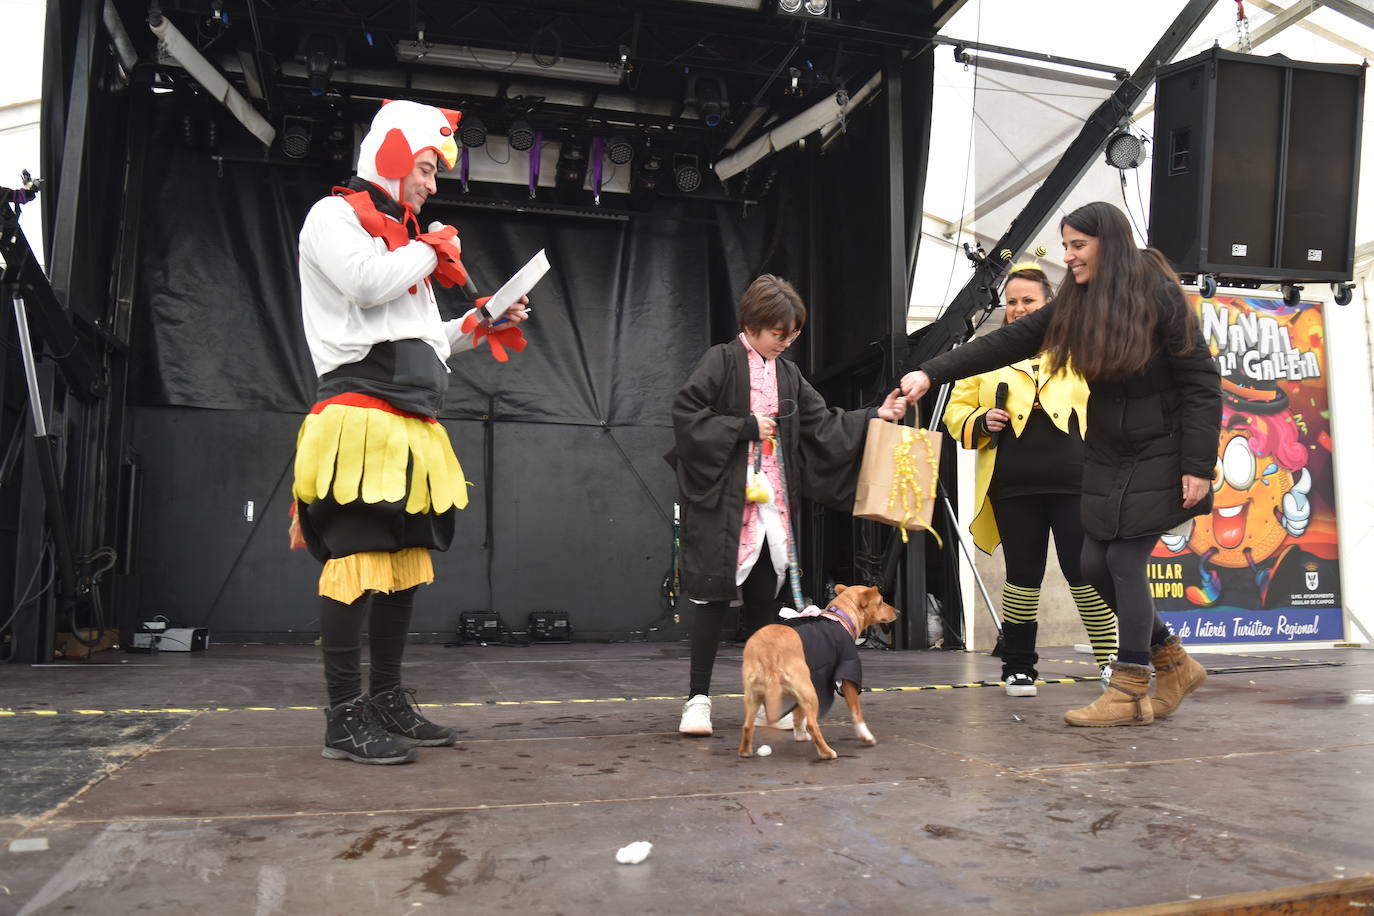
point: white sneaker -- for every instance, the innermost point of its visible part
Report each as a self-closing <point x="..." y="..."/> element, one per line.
<point x="761" y="718"/>
<point x="1020" y="685"/>
<point x="696" y="717"/>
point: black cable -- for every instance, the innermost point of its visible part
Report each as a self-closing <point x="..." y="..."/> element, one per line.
<point x="643" y="485"/>
<point x="43" y="554"/>
<point x="1127" y="205"/>
<point x="489" y="470"/>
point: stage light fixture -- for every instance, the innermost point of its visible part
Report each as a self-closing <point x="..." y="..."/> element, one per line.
<point x="644" y="184"/>
<point x="296" y="134"/>
<point x="686" y="172"/>
<point x="472" y="131"/>
<point x="817" y="7"/>
<point x="709" y="93"/>
<point x="619" y="150"/>
<point x="1125" y="150"/>
<point x="789" y="6"/>
<point x="321" y="54"/>
<point x="738" y="4"/>
<point x="571" y="170"/>
<point x="520" y="135"/>
<point x="465" y="57"/>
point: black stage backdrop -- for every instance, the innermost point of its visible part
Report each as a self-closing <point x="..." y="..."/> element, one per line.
<point x="572" y="503"/>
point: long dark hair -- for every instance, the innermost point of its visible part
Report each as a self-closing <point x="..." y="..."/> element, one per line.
<point x="1106" y="327"/>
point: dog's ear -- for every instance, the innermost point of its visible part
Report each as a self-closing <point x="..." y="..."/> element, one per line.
<point x="839" y="588"/>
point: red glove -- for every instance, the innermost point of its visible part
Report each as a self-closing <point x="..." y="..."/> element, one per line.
<point x="499" y="338"/>
<point x="446" y="247"/>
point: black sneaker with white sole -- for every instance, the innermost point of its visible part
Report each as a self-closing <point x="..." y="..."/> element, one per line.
<point x="1020" y="685"/>
<point x="354" y="732"/>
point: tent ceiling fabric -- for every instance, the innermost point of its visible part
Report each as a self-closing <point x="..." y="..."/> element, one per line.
<point x="1002" y="123"/>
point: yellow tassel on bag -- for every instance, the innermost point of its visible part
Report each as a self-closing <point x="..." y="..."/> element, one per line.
<point x="754" y="490"/>
<point x="906" y="485"/>
<point x="756" y="485"/>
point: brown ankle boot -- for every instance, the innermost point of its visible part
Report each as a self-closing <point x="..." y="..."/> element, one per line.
<point x="1176" y="676"/>
<point x="1126" y="700"/>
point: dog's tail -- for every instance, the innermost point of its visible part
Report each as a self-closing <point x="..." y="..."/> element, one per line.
<point x="773" y="693"/>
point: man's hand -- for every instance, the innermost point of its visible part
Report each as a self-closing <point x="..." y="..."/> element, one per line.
<point x="894" y="406"/>
<point x="768" y="427"/>
<point x="915" y="384"/>
<point x="518" y="311"/>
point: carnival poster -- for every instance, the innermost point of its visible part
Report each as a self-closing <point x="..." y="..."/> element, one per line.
<point x="1263" y="565"/>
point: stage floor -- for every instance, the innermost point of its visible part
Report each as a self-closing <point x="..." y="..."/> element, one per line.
<point x="194" y="784"/>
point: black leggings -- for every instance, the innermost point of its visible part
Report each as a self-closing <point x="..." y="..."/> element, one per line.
<point x="759" y="594"/>
<point x="1117" y="570"/>
<point x="341" y="636"/>
<point x="1025" y="523"/>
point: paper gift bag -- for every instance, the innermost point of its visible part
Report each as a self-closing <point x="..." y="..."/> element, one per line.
<point x="897" y="480"/>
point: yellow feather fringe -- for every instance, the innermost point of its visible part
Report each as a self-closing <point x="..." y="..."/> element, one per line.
<point x="351" y="452"/>
<point x="347" y="578"/>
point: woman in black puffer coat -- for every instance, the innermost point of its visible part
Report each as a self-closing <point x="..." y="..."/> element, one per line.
<point x="1154" y="417"/>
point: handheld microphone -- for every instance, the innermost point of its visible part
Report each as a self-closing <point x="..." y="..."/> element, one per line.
<point x="1000" y="402"/>
<point x="469" y="288"/>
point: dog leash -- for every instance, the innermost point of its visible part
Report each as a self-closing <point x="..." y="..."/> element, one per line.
<point x="792" y="575"/>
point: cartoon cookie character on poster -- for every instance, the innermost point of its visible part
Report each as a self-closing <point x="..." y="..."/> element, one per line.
<point x="1256" y="534"/>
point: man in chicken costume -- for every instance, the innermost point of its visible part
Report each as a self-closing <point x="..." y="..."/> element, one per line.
<point x="377" y="484"/>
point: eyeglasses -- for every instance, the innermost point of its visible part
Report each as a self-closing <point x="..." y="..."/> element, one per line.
<point x="783" y="337"/>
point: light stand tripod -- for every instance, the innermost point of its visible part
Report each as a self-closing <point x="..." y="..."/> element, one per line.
<point x="941" y="399"/>
<point x="22" y="280"/>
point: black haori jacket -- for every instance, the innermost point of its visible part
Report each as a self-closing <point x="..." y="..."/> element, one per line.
<point x="712" y="429"/>
<point x="1144" y="432"/>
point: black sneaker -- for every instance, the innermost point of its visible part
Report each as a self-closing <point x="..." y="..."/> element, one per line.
<point x="1020" y="685"/>
<point x="354" y="732"/>
<point x="399" y="715"/>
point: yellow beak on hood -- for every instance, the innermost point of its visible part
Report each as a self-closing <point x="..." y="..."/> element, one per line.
<point x="448" y="152"/>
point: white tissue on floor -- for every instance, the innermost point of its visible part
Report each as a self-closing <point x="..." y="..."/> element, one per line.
<point x="635" y="853"/>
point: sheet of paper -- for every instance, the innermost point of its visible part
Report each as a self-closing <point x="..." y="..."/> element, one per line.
<point x="518" y="285"/>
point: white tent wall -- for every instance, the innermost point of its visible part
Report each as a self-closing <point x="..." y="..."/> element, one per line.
<point x="21" y="84"/>
<point x="19" y="151"/>
<point x="1122" y="32"/>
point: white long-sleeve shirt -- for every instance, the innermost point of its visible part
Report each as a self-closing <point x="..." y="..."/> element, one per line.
<point x="356" y="293"/>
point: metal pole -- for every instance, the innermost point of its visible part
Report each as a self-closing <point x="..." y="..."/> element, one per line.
<point x="47" y="465"/>
<point x="941" y="398"/>
<point x="21" y="319"/>
<point x="792" y="575"/>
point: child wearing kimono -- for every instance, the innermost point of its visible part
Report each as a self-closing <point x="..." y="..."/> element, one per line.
<point x="739" y="406"/>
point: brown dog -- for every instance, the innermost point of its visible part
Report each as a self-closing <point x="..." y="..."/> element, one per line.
<point x="803" y="658"/>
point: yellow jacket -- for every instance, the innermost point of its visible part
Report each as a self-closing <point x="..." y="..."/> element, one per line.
<point x="1061" y="396"/>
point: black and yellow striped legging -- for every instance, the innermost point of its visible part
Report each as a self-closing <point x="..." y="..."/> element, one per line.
<point x="1025" y="523"/>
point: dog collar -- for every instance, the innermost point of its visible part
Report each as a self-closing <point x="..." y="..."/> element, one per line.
<point x="843" y="620"/>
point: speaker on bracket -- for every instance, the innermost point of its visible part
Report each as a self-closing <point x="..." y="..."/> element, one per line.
<point x="1256" y="167"/>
